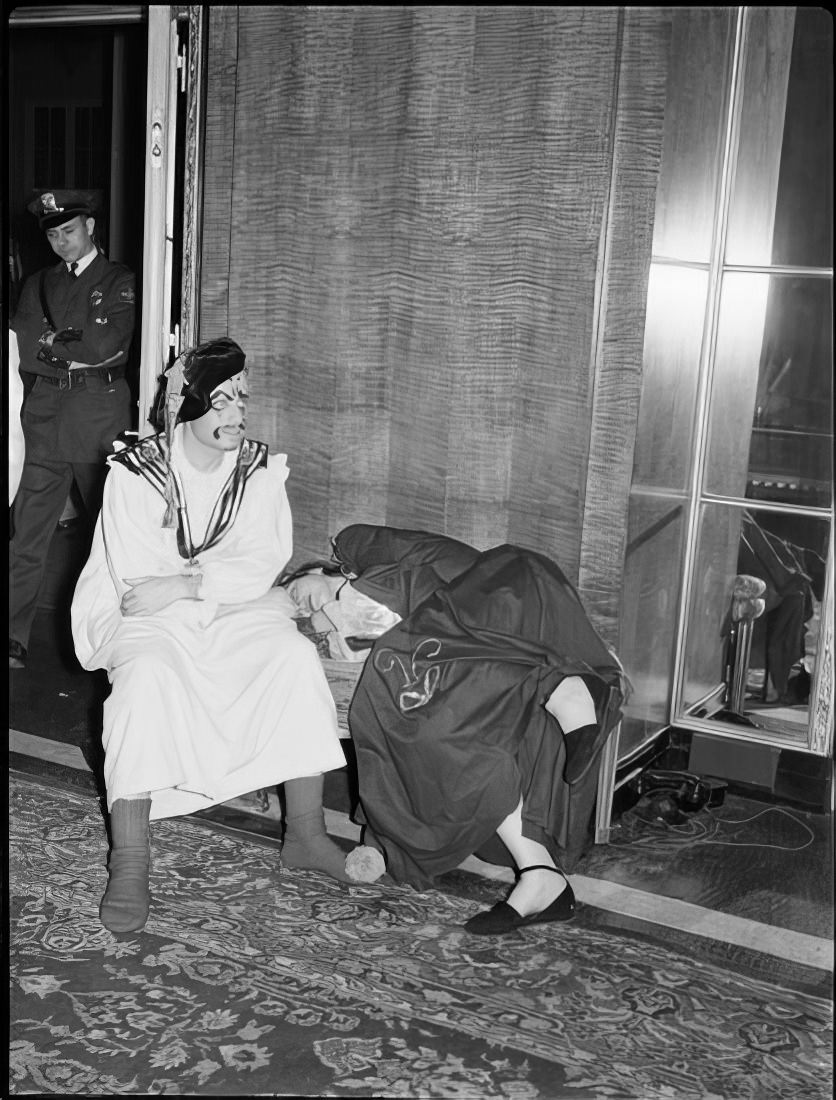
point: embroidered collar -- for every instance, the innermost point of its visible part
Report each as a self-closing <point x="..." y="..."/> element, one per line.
<point x="149" y="458"/>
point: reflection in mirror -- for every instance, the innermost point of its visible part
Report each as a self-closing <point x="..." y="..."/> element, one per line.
<point x="662" y="460"/>
<point x="771" y="429"/>
<point x="782" y="205"/>
<point x="652" y="576"/>
<point x="753" y="632"/>
<point x="792" y="438"/>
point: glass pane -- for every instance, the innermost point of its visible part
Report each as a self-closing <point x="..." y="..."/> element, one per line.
<point x="782" y="206"/>
<point x="673" y="335"/>
<point x="700" y="56"/>
<point x="652" y="580"/>
<point x="754" y="618"/>
<point x="771" y="426"/>
<point x="709" y="596"/>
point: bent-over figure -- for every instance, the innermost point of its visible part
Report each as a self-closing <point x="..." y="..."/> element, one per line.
<point x="478" y="718"/>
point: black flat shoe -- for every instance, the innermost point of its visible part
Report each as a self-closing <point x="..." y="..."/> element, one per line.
<point x="503" y="918"/>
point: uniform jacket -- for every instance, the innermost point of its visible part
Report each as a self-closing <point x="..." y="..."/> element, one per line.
<point x="100" y="303"/>
<point x="80" y="422"/>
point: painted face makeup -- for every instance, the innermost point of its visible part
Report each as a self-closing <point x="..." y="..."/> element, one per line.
<point x="223" y="426"/>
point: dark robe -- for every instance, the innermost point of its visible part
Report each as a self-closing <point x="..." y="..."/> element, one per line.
<point x="447" y="719"/>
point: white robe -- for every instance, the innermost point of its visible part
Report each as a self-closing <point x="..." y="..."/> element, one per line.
<point x="210" y="698"/>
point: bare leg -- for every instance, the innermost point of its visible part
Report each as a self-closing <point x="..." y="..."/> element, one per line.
<point x="571" y="704"/>
<point x="537" y="889"/>
<point x="541" y="895"/>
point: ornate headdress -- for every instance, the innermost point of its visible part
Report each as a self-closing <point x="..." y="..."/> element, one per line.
<point x="185" y="393"/>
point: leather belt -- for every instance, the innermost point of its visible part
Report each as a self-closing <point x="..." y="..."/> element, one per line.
<point x="76" y="377"/>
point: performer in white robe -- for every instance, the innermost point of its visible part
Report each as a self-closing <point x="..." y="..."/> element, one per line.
<point x="214" y="691"/>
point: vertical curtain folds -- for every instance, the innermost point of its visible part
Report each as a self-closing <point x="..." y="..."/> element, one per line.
<point x="408" y="206"/>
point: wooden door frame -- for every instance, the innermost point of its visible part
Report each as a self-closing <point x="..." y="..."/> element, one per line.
<point x="160" y="237"/>
<point x="169" y="68"/>
<point x="159" y="180"/>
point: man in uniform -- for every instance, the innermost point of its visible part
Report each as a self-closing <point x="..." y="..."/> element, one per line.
<point x="215" y="692"/>
<point x="74" y="325"/>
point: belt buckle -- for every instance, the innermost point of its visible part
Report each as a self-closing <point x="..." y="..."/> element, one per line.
<point x="65" y="383"/>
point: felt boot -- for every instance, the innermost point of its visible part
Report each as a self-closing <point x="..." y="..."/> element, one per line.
<point x="126" y="901"/>
<point x="306" y="843"/>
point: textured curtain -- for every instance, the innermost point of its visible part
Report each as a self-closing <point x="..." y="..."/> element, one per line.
<point x="429" y="227"/>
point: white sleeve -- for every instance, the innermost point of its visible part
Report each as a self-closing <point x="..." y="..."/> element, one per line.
<point x="120" y="549"/>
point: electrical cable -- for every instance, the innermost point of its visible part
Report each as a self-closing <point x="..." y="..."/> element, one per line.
<point x="697" y="832"/>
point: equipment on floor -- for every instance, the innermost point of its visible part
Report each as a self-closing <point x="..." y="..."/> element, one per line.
<point x="688" y="792"/>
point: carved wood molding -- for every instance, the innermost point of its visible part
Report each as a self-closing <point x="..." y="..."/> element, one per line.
<point x="195" y="14"/>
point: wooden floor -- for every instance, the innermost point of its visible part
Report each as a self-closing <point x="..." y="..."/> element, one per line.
<point x="749" y="883"/>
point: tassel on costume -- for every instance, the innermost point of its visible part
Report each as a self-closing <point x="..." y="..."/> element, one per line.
<point x="174" y="399"/>
<point x="170" y="517"/>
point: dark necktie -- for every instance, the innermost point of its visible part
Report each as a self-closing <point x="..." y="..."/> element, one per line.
<point x="73" y="266"/>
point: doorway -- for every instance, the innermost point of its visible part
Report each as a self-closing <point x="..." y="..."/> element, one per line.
<point x="76" y="97"/>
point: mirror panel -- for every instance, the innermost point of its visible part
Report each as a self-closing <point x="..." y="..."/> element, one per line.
<point x="650" y="601"/>
<point x="658" y="508"/>
<point x="755" y="619"/>
<point x="782" y="203"/>
<point x="771" y="420"/>
<point x="733" y="468"/>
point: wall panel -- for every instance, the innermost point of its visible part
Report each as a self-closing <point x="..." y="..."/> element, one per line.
<point x="408" y="208"/>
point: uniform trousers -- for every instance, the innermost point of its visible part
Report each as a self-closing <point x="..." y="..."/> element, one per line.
<point x="44" y="486"/>
<point x="67" y="439"/>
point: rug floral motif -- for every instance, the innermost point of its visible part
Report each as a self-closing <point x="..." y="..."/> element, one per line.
<point x="250" y="979"/>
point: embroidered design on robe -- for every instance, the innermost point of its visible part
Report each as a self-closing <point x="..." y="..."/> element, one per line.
<point x="148" y="458"/>
<point x="419" y="686"/>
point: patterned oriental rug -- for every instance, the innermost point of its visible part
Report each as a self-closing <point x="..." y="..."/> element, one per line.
<point x="254" y="980"/>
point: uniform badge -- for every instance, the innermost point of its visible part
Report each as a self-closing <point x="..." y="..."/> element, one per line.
<point x="127" y="295"/>
<point x="49" y="205"/>
<point x="96" y="298"/>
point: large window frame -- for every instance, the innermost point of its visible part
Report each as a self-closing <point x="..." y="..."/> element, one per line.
<point x="818" y="736"/>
